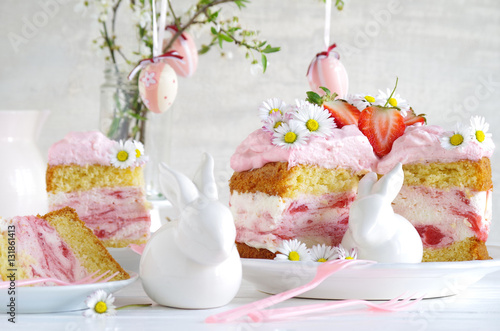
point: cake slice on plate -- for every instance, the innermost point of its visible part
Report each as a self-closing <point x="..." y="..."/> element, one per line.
<point x="447" y="191"/>
<point x="56" y="245"/>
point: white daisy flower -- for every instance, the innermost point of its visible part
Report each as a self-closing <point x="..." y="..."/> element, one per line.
<point x="460" y="137"/>
<point x="480" y="132"/>
<point x="359" y="101"/>
<point x="100" y="304"/>
<point x="291" y="135"/>
<point x="315" y="119"/>
<point x="123" y="155"/>
<point x="395" y="101"/>
<point x="270" y="106"/>
<point x="275" y="120"/>
<point x="323" y="253"/>
<point x="293" y="250"/>
<point x="139" y="152"/>
<point x="344" y="255"/>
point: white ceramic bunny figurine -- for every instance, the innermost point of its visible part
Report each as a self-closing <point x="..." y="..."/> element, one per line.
<point x="193" y="263"/>
<point x="374" y="229"/>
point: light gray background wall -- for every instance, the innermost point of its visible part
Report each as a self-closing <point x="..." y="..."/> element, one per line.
<point x="445" y="53"/>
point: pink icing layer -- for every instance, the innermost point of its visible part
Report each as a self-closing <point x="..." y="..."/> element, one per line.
<point x="46" y="254"/>
<point x="346" y="147"/>
<point x="81" y="148"/>
<point x="421" y="144"/>
<point x="349" y="148"/>
<point x="112" y="213"/>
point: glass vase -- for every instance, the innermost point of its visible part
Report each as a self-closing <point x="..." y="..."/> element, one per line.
<point x="123" y="116"/>
<point x="122" y="113"/>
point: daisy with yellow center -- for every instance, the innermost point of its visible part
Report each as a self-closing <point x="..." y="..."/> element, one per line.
<point x="343" y="254"/>
<point x="100" y="304"/>
<point x="458" y="138"/>
<point x="292" y="250"/>
<point x="323" y="253"/>
<point x="291" y="135"/>
<point x="123" y="155"/>
<point x="271" y="106"/>
<point x="139" y="152"/>
<point x="391" y="99"/>
<point x="480" y="132"/>
<point x="315" y="119"/>
<point x="359" y="101"/>
<point x="275" y="120"/>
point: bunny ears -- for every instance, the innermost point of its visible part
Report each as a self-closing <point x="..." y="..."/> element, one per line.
<point x="388" y="186"/>
<point x="181" y="191"/>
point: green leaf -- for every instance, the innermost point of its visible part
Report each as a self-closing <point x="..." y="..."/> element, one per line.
<point x="214" y="16"/>
<point x="213" y="30"/>
<point x="264" y="63"/>
<point x="233" y="29"/>
<point x="220" y="41"/>
<point x="314" y="97"/>
<point x="226" y="38"/>
<point x="240" y="3"/>
<point x="327" y="91"/>
<point x="270" y="49"/>
<point x="204" y="49"/>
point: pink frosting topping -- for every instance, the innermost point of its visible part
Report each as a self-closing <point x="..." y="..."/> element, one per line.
<point x="81" y="148"/>
<point x="346" y="147"/>
<point x="421" y="143"/>
<point x="349" y="148"/>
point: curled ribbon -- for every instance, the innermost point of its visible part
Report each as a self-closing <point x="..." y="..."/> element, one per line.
<point x="324" y="54"/>
<point x="155" y="59"/>
<point x="327" y="52"/>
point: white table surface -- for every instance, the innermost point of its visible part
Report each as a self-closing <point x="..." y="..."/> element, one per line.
<point x="476" y="308"/>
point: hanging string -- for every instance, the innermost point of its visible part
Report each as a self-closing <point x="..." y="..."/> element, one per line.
<point x="328" y="16"/>
<point x="158" y="31"/>
<point x="161" y="25"/>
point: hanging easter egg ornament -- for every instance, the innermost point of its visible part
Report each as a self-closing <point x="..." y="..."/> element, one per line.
<point x="326" y="69"/>
<point x="184" y="45"/>
<point x="158" y="80"/>
<point x="158" y="86"/>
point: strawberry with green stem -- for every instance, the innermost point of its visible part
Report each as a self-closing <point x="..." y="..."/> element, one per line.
<point x="382" y="125"/>
<point x="342" y="112"/>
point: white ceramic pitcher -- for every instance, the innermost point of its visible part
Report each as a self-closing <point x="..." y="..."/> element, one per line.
<point x="22" y="168"/>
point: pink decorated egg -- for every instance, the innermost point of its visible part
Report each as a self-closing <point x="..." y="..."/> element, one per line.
<point x="158" y="86"/>
<point x="185" y="46"/>
<point x="326" y="70"/>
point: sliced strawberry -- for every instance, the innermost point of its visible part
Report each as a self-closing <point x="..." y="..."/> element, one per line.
<point x="381" y="125"/>
<point x="412" y="118"/>
<point x="342" y="112"/>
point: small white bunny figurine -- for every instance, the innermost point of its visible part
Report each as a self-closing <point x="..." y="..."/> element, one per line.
<point x="374" y="229"/>
<point x="194" y="263"/>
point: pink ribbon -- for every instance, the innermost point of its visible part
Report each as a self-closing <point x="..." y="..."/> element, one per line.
<point x="143" y="63"/>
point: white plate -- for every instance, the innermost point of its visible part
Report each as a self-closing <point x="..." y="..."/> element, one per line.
<point x="52" y="299"/>
<point x="381" y="281"/>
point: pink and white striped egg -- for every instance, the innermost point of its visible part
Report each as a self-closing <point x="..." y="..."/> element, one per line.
<point x="326" y="70"/>
<point x="158" y="86"/>
<point x="185" y="46"/>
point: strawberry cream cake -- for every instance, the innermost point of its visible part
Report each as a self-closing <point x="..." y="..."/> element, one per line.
<point x="103" y="181"/>
<point x="56" y="245"/>
<point x="296" y="177"/>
